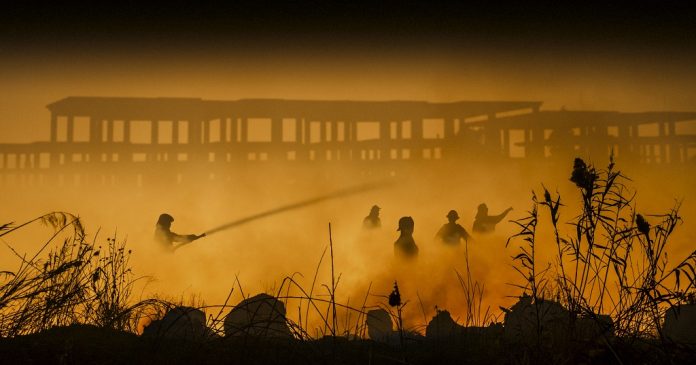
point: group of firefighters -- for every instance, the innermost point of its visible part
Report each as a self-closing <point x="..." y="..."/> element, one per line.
<point x="451" y="233"/>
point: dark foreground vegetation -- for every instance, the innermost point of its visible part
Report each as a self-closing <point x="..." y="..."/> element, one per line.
<point x="83" y="344"/>
<point x="610" y="296"/>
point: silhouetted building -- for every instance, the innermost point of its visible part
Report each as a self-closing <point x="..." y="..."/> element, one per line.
<point x="451" y="232"/>
<point x="135" y="141"/>
<point x="405" y="246"/>
<point x="484" y="223"/>
<point x="372" y="220"/>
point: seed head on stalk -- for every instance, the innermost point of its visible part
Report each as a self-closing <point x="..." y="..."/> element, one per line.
<point x="395" y="297"/>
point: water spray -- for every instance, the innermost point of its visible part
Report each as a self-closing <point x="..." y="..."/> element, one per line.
<point x="301" y="204"/>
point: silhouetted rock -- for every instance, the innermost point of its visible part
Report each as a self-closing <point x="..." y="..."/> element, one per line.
<point x="179" y="322"/>
<point x="680" y="324"/>
<point x="589" y="329"/>
<point x="262" y="315"/>
<point x="442" y="325"/>
<point x="528" y="320"/>
<point x="379" y="325"/>
<point x="548" y="322"/>
<point x="380" y="329"/>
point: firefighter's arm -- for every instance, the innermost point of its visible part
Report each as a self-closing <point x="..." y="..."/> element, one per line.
<point x="465" y="234"/>
<point x="185" y="238"/>
<point x="502" y="215"/>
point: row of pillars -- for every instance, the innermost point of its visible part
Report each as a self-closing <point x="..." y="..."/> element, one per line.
<point x="19" y="161"/>
<point x="105" y="130"/>
<point x="328" y="131"/>
<point x="669" y="151"/>
<point x="199" y="131"/>
<point x="626" y="144"/>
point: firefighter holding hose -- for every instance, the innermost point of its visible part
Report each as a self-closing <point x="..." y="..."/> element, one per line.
<point x="166" y="237"/>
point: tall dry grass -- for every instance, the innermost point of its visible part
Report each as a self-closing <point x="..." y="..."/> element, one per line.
<point x="609" y="258"/>
<point x="71" y="281"/>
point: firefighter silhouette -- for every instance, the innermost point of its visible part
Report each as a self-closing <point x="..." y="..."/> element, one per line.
<point x="167" y="238"/>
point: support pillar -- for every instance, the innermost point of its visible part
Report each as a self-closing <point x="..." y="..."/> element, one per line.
<point x="384" y="131"/>
<point x="244" y="132"/>
<point x="276" y="149"/>
<point x="674" y="155"/>
<point x="298" y="130"/>
<point x="175" y="132"/>
<point x="635" y="146"/>
<point x="54" y="127"/>
<point x="385" y="138"/>
<point x="322" y="131"/>
<point x="276" y="130"/>
<point x="662" y="126"/>
<point x="417" y="138"/>
<point x="537" y="142"/>
<point x="205" y="130"/>
<point x="307" y="130"/>
<point x="300" y="152"/>
<point x="71" y="128"/>
<point x="506" y="142"/>
<point x="417" y="129"/>
<point x="109" y="125"/>
<point x="492" y="137"/>
<point x="95" y="129"/>
<point x="234" y="123"/>
<point x="320" y="151"/>
<point x="623" y="142"/>
<point x="126" y="131"/>
<point x="154" y="131"/>
<point x="223" y="129"/>
<point x="449" y="128"/>
<point x="338" y="153"/>
<point x="194" y="132"/>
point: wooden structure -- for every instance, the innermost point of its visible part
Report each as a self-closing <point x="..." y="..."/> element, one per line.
<point x="170" y="136"/>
